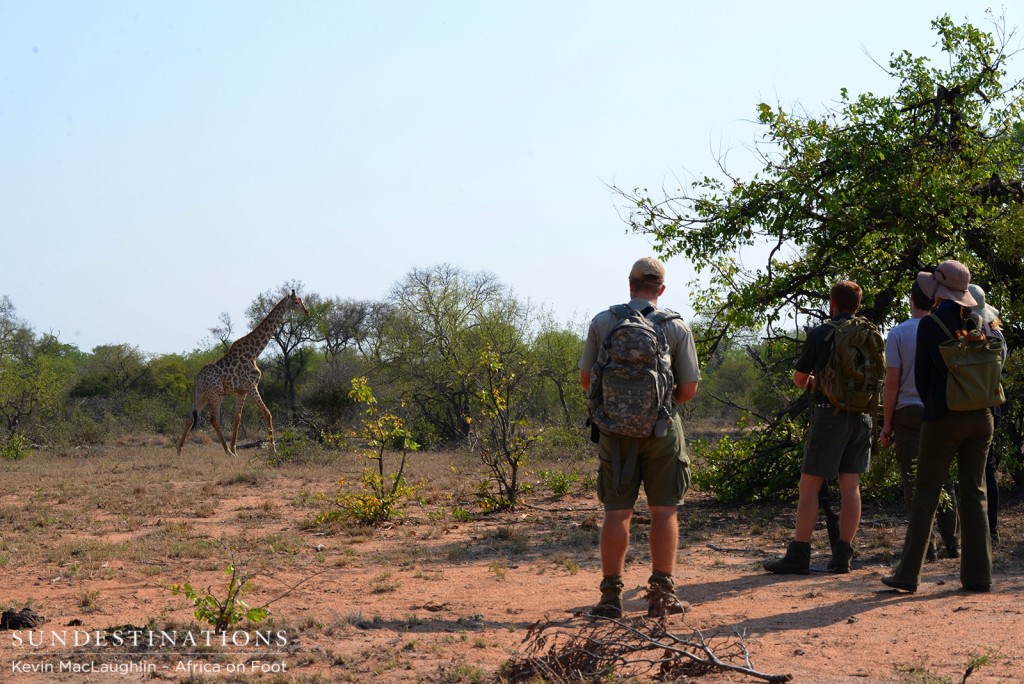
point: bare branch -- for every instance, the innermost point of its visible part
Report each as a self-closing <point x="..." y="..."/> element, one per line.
<point x="585" y="647"/>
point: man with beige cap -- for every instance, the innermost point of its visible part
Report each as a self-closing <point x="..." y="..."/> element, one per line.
<point x="647" y="448"/>
<point x="945" y="435"/>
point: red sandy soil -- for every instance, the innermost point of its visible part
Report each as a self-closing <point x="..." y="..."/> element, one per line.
<point x="439" y="601"/>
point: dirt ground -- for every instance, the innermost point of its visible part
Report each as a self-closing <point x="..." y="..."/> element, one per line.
<point x="92" y="543"/>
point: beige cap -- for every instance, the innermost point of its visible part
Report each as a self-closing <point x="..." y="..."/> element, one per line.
<point x="649" y="270"/>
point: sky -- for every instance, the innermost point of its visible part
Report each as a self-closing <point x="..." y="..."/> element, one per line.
<point x="162" y="163"/>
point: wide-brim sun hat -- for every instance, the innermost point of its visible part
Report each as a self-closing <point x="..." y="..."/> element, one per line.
<point x="949" y="282"/>
<point x="985" y="311"/>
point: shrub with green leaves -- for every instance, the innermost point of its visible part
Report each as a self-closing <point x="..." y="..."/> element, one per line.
<point x="558" y="481"/>
<point x="377" y="503"/>
<point x="382" y="491"/>
<point x="500" y="432"/>
<point x="763" y="464"/>
<point x="14" y="448"/>
<point x="222" y="614"/>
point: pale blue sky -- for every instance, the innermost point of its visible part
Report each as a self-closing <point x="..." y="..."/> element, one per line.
<point x="163" y="162"/>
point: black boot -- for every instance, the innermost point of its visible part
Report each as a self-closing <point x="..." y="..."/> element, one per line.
<point x="797" y="560"/>
<point x="842" y="554"/>
<point x="610" y="605"/>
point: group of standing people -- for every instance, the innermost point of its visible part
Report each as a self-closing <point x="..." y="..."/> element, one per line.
<point x="928" y="437"/>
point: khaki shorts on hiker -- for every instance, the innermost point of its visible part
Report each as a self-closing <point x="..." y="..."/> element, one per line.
<point x="660" y="463"/>
<point x="837" y="443"/>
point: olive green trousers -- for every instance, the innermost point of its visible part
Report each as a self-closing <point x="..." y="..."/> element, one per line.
<point x="964" y="436"/>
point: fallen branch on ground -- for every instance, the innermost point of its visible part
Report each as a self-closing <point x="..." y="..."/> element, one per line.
<point x="587" y="647"/>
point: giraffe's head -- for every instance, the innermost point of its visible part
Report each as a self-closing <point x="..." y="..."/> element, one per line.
<point x="295" y="302"/>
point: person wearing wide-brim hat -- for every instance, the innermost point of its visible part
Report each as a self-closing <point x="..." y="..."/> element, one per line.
<point x="945" y="435"/>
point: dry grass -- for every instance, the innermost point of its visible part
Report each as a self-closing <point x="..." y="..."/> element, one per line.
<point x="85" y="521"/>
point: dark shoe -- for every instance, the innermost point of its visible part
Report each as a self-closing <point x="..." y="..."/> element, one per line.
<point x="661" y="596"/>
<point x="931" y="556"/>
<point x="891" y="581"/>
<point x="952" y="550"/>
<point x="842" y="554"/>
<point x="797" y="560"/>
<point x="978" y="588"/>
<point x="610" y="605"/>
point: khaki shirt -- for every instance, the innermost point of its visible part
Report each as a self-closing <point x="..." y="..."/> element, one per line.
<point x="677" y="334"/>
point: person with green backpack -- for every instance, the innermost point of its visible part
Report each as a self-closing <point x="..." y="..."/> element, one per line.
<point x="957" y="374"/>
<point x="842" y="366"/>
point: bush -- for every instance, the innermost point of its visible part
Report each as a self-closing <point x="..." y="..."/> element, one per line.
<point x="14" y="448"/>
<point x="573" y="443"/>
<point x="291" y="447"/>
<point x="882" y="480"/>
<point x="558" y="481"/>
<point x="763" y="464"/>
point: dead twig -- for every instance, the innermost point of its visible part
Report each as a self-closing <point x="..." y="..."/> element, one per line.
<point x="587" y="647"/>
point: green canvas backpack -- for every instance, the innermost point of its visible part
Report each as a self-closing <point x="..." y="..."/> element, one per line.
<point x="975" y="363"/>
<point x="853" y="377"/>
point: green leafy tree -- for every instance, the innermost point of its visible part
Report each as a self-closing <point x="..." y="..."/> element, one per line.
<point x="425" y="342"/>
<point x="872" y="190"/>
<point x="325" y="401"/>
<point x="112" y="371"/>
<point x="500" y="430"/>
<point x="556" y="352"/>
<point x="34" y="376"/>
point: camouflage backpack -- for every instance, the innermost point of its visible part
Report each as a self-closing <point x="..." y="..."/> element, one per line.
<point x="631" y="382"/>
<point x="853" y="377"/>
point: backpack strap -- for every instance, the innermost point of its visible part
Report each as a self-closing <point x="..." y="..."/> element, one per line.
<point x="942" y="325"/>
<point x="620" y="310"/>
<point x="833" y="326"/>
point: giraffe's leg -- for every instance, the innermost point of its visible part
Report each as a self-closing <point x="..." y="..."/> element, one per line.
<point x="190" y="421"/>
<point x="215" y="421"/>
<point x="237" y="421"/>
<point x="258" y="400"/>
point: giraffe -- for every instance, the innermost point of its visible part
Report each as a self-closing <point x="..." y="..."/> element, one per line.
<point x="237" y="373"/>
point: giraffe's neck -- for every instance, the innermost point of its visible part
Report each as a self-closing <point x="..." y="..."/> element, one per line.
<point x="253" y="344"/>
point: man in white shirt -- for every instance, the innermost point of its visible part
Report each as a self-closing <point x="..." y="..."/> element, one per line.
<point x="902" y="416"/>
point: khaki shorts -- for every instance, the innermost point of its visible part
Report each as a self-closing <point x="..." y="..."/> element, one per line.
<point x="661" y="464"/>
<point x="837" y="443"/>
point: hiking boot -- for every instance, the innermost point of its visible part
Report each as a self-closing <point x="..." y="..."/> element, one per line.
<point x="952" y="550"/>
<point x="978" y="588"/>
<point x="931" y="556"/>
<point x="610" y="605"/>
<point x="661" y="596"/>
<point x="896" y="583"/>
<point x="842" y="554"/>
<point x="797" y="560"/>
